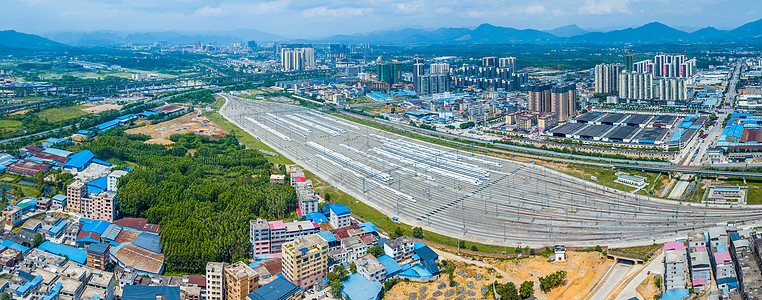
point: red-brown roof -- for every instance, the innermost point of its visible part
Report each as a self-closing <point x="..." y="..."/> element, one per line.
<point x="28" y="167"/>
<point x="92" y="235"/>
<point x="33" y="148"/>
<point x="53" y="157"/>
<point x="198" y="280"/>
<point x="342" y="233"/>
<point x="139" y="224"/>
<point x="274" y="266"/>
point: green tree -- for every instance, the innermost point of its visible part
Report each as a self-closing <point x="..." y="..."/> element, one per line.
<point x="397" y="233"/>
<point x="598" y="248"/>
<point x="5" y="296"/>
<point x="38" y="239"/>
<point x="376" y="250"/>
<point x="527" y="289"/>
<point x="418" y="232"/>
<point x="473" y="248"/>
<point x="507" y="291"/>
<point x="462" y="244"/>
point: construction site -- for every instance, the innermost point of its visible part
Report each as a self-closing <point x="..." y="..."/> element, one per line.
<point x="193" y="122"/>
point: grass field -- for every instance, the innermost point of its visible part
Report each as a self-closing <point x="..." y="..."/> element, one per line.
<point x="608" y="177"/>
<point x="9" y="123"/>
<point x="64" y="113"/>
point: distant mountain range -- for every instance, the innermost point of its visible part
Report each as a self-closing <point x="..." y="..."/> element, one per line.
<point x="11" y="40"/>
<point x="113" y="38"/>
<point x="651" y="33"/>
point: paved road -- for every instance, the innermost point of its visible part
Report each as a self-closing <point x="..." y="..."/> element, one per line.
<point x="464" y="194"/>
<point x="617" y="272"/>
<point x="655" y="266"/>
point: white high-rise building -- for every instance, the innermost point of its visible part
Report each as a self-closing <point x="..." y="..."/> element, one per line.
<point x="440" y="68"/>
<point x="297" y="59"/>
<point x="672" y="89"/>
<point x="674" y="66"/>
<point x="607" y="78"/>
<point x="636" y="86"/>
<point x="508" y="62"/>
<point x="643" y="66"/>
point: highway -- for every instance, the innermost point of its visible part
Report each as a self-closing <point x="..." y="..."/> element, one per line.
<point x="464" y="194"/>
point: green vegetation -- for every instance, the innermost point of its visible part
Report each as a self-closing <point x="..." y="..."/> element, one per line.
<point x="507" y="291"/>
<point x="418" y="232"/>
<point x="335" y="279"/>
<point x="527" y="289"/>
<point x="201" y="96"/>
<point x="38" y="240"/>
<point x="376" y="250"/>
<point x="639" y="251"/>
<point x="467" y="125"/>
<point x="54" y="115"/>
<point x="202" y="203"/>
<point x="9" y="123"/>
<point x="552" y="280"/>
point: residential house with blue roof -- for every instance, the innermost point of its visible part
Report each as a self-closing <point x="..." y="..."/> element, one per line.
<point x="148" y="241"/>
<point x="392" y="267"/>
<point x="340" y="215"/>
<point x="359" y="288"/>
<point x="141" y="292"/>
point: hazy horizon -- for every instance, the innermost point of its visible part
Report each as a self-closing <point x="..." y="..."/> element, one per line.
<point x="321" y="18"/>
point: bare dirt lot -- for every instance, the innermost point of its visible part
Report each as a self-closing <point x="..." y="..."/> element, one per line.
<point x="583" y="269"/>
<point x="101" y="108"/>
<point x="192" y="122"/>
<point x="467" y="287"/>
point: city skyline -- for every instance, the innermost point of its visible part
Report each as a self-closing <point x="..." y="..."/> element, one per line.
<point x="325" y="18"/>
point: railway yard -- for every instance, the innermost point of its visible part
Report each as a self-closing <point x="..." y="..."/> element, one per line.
<point x="467" y="195"/>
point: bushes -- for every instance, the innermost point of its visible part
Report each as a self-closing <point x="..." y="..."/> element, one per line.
<point x="552" y="280"/>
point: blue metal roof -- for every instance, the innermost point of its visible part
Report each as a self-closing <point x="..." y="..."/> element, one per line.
<point x="328" y="236"/>
<point x="99" y="248"/>
<point x="96" y="226"/>
<point x="141" y="292"/>
<point x="53" y="292"/>
<point x="392" y="267"/>
<point x="148" y="241"/>
<point x="425" y="253"/>
<point x="14" y="245"/>
<point x="358" y="288"/>
<point x="101" y="162"/>
<point x="55" y="230"/>
<point x="368" y="227"/>
<point x="316" y="217"/>
<point x="74" y="254"/>
<point x="278" y="289"/>
<point x="59" y="152"/>
<point x="59" y="197"/>
<point x="24" y="288"/>
<point x="79" y="159"/>
<point x="416" y="272"/>
<point x="340" y="209"/>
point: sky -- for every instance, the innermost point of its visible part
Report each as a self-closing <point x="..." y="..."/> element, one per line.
<point x="321" y="18"/>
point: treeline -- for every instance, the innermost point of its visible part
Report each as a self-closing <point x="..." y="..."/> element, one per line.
<point x="552" y="280"/>
<point x="200" y="96"/>
<point x="202" y="202"/>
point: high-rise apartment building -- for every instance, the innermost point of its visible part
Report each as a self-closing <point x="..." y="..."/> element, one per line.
<point x="563" y="100"/>
<point x="240" y="280"/>
<point x="268" y="237"/>
<point x="305" y="260"/>
<point x="297" y="59"/>
<point x="636" y="86"/>
<point x="440" y="68"/>
<point x="540" y="97"/>
<point x="508" y="62"/>
<point x="607" y="78"/>
<point x="430" y="84"/>
<point x="629" y="61"/>
<point x="674" y="66"/>
<point x="215" y="280"/>
<point x="389" y="72"/>
<point x="672" y="89"/>
<point x="643" y="66"/>
<point x="489" y="61"/>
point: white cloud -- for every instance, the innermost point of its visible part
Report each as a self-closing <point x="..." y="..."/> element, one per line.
<point x="534" y="9"/>
<point x="604" y="7"/>
<point x="323" y="11"/>
<point x="211" y="11"/>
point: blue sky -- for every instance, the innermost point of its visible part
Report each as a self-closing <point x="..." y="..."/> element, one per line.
<point x="318" y="18"/>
